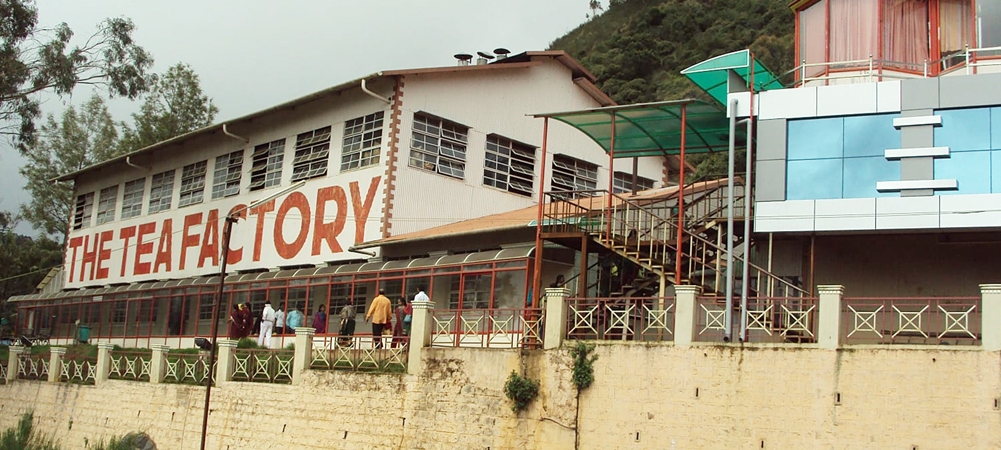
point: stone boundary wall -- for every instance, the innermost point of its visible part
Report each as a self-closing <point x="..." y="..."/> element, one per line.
<point x="644" y="397"/>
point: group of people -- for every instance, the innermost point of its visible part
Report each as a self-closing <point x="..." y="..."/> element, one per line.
<point x="381" y="313"/>
<point x="243" y="322"/>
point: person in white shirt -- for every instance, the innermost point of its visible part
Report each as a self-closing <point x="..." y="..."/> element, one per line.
<point x="279" y="321"/>
<point x="267" y="325"/>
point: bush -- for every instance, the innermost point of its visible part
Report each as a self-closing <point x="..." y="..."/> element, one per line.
<point x="247" y="343"/>
<point x="583" y="365"/>
<point x="521" y="390"/>
<point x="23" y="436"/>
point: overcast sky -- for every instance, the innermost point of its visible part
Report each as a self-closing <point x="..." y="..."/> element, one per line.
<point x="252" y="54"/>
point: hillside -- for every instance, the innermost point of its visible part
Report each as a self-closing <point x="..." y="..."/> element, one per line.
<point x="638" y="47"/>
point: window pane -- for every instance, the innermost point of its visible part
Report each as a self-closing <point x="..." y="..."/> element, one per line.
<point x="870" y="135"/>
<point x="989" y="23"/>
<point x="813" y="179"/>
<point x="854" y="29"/>
<point x="956" y="20"/>
<point x="812" y="40"/>
<point x="905" y="32"/>
<point x="816" y="138"/>
<point x="971" y="170"/>
<point x="964" y="129"/>
<point x="861" y="175"/>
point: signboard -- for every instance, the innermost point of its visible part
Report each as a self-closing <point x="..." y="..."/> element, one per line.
<point x="312" y="225"/>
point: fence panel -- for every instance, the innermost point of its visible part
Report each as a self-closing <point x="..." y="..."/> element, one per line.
<point x="621" y="318"/>
<point x="488" y="328"/>
<point x="126" y="365"/>
<point x="360" y="353"/>
<point x="263" y="365"/>
<point x="911" y="320"/>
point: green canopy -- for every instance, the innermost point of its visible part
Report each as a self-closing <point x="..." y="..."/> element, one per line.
<point x="712" y="74"/>
<point x="653" y="129"/>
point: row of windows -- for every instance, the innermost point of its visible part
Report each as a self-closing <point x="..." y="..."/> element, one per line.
<point x="361" y="148"/>
<point x="437" y="145"/>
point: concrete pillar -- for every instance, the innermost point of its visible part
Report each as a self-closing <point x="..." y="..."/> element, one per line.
<point x="226" y="361"/>
<point x="685" y="314"/>
<point x="303" y="352"/>
<point x="14" y="361"/>
<point x="556" y="317"/>
<point x="56" y="355"/>
<point x="829" y="316"/>
<point x="158" y="363"/>
<point x="990" y="315"/>
<point x="103" y="362"/>
<point x="421" y="325"/>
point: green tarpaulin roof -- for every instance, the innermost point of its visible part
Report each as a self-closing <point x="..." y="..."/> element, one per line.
<point x="712" y="74"/>
<point x="653" y="129"/>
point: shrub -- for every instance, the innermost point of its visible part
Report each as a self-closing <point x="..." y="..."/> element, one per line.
<point x="583" y="365"/>
<point x="521" y="390"/>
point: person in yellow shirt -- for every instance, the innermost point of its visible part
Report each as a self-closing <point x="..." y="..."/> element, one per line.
<point x="379" y="312"/>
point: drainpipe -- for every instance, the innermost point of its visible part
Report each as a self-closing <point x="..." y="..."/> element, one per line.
<point x="365" y="89"/>
<point x="361" y="252"/>
<point x="227" y="133"/>
<point x="128" y="160"/>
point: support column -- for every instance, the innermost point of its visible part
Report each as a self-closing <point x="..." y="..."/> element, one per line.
<point x="56" y="355"/>
<point x="158" y="363"/>
<point x="990" y="307"/>
<point x="226" y="361"/>
<point x="421" y="326"/>
<point x="14" y="361"/>
<point x="685" y="316"/>
<point x="556" y="317"/>
<point x="303" y="352"/>
<point x="103" y="362"/>
<point x="829" y="316"/>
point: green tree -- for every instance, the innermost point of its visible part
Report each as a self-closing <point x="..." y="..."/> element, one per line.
<point x="24" y="262"/>
<point x="33" y="60"/>
<point x="77" y="140"/>
<point x="174" y="106"/>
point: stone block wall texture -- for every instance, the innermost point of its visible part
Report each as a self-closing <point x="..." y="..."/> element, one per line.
<point x="645" y="396"/>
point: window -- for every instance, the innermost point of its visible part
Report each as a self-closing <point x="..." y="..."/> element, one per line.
<point x="439" y="145"/>
<point x="509" y="166"/>
<point x="571" y="174"/>
<point x="854" y="29"/>
<point x="812" y="41"/>
<point x="161" y="190"/>
<point x="118" y="311"/>
<point x="226" y="179"/>
<point x="905" y="33"/>
<point x="623" y="182"/>
<point x="206" y="306"/>
<point x="82" y="211"/>
<point x="955" y="30"/>
<point x="311" y="151"/>
<point x="362" y="142"/>
<point x="266" y="168"/>
<point x="106" y="205"/>
<point x="989" y="25"/>
<point x="132" y="200"/>
<point x="192" y="183"/>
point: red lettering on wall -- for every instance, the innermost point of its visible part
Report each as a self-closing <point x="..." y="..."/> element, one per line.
<point x="288" y="250"/>
<point x="362" y="209"/>
<point x="210" y="240"/>
<point x="260" y="211"/>
<point x="235" y="255"/>
<point x="89" y="257"/>
<point x="104" y="254"/>
<point x="126" y="235"/>
<point x="74" y="245"/>
<point x="143" y="248"/>
<point x="188" y="240"/>
<point x="166" y="244"/>
<point x="328" y="231"/>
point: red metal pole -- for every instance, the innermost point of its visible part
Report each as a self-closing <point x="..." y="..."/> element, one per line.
<point x="537" y="281"/>
<point x="611" y="183"/>
<point x="681" y="198"/>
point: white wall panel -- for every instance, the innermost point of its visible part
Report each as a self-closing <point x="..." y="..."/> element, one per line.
<point x="794" y="215"/>
<point x="743" y="103"/>
<point x="849" y="214"/>
<point x="846" y="99"/>
<point x="978" y="210"/>
<point x="907" y="212"/>
<point x="788" y="103"/>
<point x="888" y="96"/>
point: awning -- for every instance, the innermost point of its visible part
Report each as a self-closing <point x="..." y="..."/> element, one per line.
<point x="712" y="75"/>
<point x="653" y="129"/>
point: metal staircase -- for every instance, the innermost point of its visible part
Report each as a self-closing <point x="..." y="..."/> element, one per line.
<point x="641" y="233"/>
